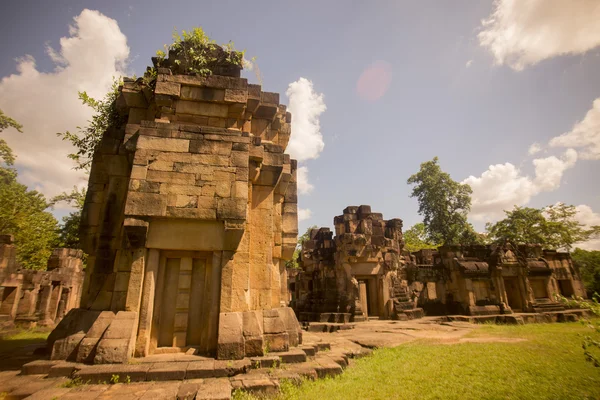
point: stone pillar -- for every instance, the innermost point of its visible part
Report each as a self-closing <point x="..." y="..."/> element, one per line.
<point x="147" y="304"/>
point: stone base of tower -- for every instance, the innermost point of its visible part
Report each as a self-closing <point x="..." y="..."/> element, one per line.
<point x="255" y="333"/>
<point x="105" y="337"/>
<point x="94" y="337"/>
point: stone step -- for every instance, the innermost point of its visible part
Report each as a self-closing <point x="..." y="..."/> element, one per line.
<point x="309" y="350"/>
<point x="294" y="355"/>
<point x="323" y="346"/>
<point x="326" y="367"/>
<point x="328" y="327"/>
<point x="165" y="371"/>
<point x="271" y="361"/>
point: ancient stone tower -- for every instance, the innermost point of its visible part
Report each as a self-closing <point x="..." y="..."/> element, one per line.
<point x="190" y="215"/>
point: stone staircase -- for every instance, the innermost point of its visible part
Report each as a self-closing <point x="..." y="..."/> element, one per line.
<point x="258" y="375"/>
<point x="326" y="322"/>
<point x="547" y="305"/>
<point x="403" y="306"/>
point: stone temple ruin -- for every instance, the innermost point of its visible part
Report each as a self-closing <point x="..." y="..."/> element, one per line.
<point x="357" y="274"/>
<point x="31" y="297"/>
<point x="190" y="216"/>
<point x="364" y="273"/>
<point x="483" y="280"/>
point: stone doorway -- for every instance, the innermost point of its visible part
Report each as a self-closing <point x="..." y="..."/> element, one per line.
<point x="513" y="293"/>
<point x="369" y="296"/>
<point x="566" y="287"/>
<point x="539" y="288"/>
<point x="182" y="306"/>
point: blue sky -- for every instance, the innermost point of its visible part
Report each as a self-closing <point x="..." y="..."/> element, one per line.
<point x="451" y="94"/>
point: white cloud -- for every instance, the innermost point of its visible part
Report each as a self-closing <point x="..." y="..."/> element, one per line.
<point x="549" y="170"/>
<point x="503" y="186"/>
<point x="469" y="63"/>
<point x="304" y="214"/>
<point x="588" y="217"/>
<point x="306" y="106"/>
<point x="534" y="149"/>
<point x="521" y="33"/>
<point x="46" y="103"/>
<point x="306" y="141"/>
<point x="585" y="134"/>
<point x="304" y="187"/>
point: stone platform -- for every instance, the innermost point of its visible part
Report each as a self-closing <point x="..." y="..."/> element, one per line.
<point x="176" y="375"/>
<point x="170" y="376"/>
<point x="521" y="318"/>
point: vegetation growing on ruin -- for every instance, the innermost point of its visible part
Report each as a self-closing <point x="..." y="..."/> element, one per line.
<point x="23" y="212"/>
<point x="193" y="52"/>
<point x="547" y="365"/>
<point x="87" y="139"/>
<point x="293" y="263"/>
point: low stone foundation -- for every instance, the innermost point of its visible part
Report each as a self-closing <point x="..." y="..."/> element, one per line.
<point x="254" y="333"/>
<point x="105" y="337"/>
<point x="94" y="337"/>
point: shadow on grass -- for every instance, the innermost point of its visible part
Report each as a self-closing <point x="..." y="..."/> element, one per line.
<point x="18" y="347"/>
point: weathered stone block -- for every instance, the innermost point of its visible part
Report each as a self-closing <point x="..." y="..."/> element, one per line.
<point x="176" y="178"/>
<point x="66" y="349"/>
<point x="168" y="88"/>
<point x="109" y="351"/>
<point x="231" y="208"/>
<point x="163" y="144"/>
<point x="230" y="345"/>
<point x="277" y="341"/>
<point x="201" y="108"/>
<point x="139" y="203"/>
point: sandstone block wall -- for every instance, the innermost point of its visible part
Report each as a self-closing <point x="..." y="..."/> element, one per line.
<point x="38" y="297"/>
<point x="190" y="215"/>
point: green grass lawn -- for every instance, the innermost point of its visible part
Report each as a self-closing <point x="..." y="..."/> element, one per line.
<point x="549" y="365"/>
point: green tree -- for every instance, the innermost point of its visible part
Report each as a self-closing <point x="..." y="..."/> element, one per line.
<point x="106" y="116"/>
<point x="553" y="227"/>
<point x="22" y="211"/>
<point x="69" y="229"/>
<point x="443" y="203"/>
<point x="6" y="153"/>
<point x="521" y="225"/>
<point x="588" y="263"/>
<point x="293" y="263"/>
<point x="564" y="230"/>
<point x="415" y="238"/>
